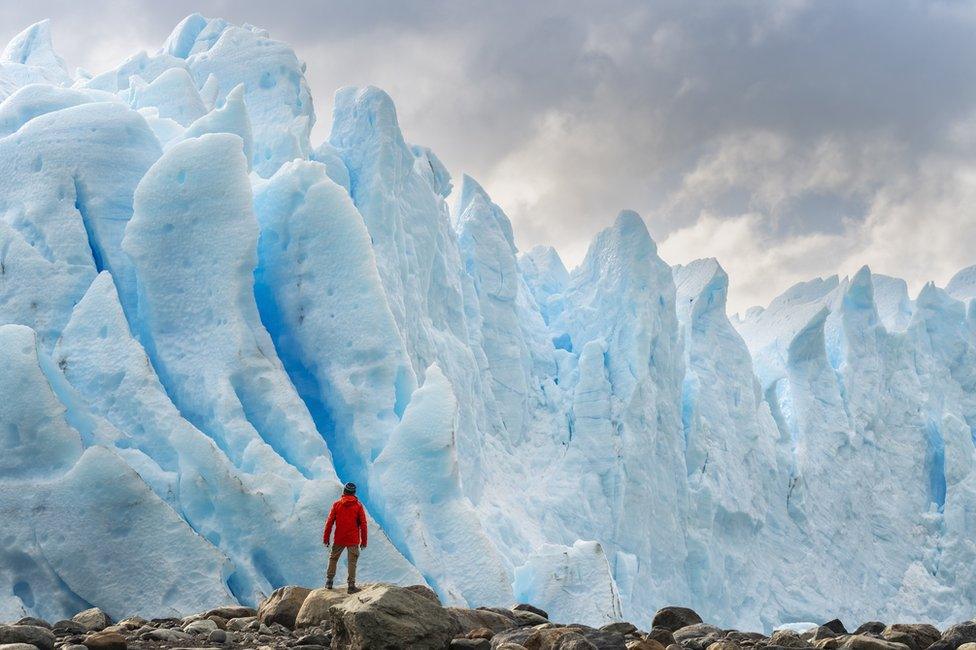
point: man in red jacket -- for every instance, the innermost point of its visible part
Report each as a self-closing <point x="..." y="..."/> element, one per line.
<point x="349" y="519"/>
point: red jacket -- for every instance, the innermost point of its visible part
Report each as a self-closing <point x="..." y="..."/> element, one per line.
<point x="349" y="519"/>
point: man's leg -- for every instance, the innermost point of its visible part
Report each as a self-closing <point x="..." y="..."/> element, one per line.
<point x="333" y="563"/>
<point x="352" y="558"/>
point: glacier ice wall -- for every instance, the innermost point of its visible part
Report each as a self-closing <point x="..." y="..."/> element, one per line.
<point x="207" y="324"/>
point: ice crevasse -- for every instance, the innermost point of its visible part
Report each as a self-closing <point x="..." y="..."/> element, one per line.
<point x="208" y="323"/>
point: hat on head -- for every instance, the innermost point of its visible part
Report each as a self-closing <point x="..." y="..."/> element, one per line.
<point x="349" y="488"/>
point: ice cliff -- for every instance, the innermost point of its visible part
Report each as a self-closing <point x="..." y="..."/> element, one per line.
<point x="207" y="324"/>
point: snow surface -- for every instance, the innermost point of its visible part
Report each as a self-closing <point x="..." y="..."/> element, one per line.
<point x="207" y="324"/>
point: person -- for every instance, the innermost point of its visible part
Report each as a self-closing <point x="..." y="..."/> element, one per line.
<point x="349" y="518"/>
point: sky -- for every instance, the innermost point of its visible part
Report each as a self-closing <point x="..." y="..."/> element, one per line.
<point x="789" y="139"/>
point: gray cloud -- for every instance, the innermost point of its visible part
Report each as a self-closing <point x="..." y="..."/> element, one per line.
<point x="788" y="139"/>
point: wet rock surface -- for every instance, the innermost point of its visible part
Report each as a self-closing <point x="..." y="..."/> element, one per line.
<point x="386" y="616"/>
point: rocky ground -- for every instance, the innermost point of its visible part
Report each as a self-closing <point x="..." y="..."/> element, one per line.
<point x="385" y="616"/>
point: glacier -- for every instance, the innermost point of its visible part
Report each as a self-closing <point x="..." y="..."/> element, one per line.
<point x="208" y="323"/>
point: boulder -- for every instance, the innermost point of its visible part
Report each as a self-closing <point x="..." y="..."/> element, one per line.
<point x="787" y="639"/>
<point x="523" y="637"/>
<point x="41" y="637"/>
<point x="471" y="644"/>
<point x="480" y="633"/>
<point x="955" y="636"/>
<point x="473" y="619"/>
<point x="231" y="611"/>
<point x="19" y="646"/>
<point x="425" y="591"/>
<point x="283" y="605"/>
<point x="836" y="625"/>
<point x="68" y="627"/>
<point x="94" y="619"/>
<point x="621" y="627"/>
<point x="917" y="636"/>
<point x="564" y="638"/>
<point x="524" y="617"/>
<point x="692" y="631"/>
<point x="203" y="626"/>
<point x="968" y="646"/>
<point x="509" y="646"/>
<point x="871" y="627"/>
<point x="36" y="622"/>
<point x="526" y="607"/>
<point x="646" y="643"/>
<point x="132" y="623"/>
<point x="724" y="645"/>
<point x="105" y="641"/>
<point x="662" y="635"/>
<point x="830" y="643"/>
<point x="823" y="632"/>
<point x="167" y="635"/>
<point x="217" y="636"/>
<point x="865" y="642"/>
<point x="675" y="618"/>
<point x="315" y="609"/>
<point x="238" y="624"/>
<point x="601" y="639"/>
<point x="385" y="616"/>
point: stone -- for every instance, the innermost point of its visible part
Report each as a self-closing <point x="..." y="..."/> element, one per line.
<point x="823" y="632"/>
<point x="522" y="636"/>
<point x="509" y="646"/>
<point x="967" y="646"/>
<point x="480" y="633"/>
<point x="20" y="646"/>
<point x="425" y="591"/>
<point x="74" y="646"/>
<point x="36" y="622"/>
<point x="471" y="644"/>
<point x="865" y="642"/>
<point x="41" y="637"/>
<point x="871" y="627"/>
<point x="675" y="618"/>
<point x="646" y="643"/>
<point x="217" y="636"/>
<point x="526" y="607"/>
<point x="787" y="639"/>
<point x="238" y="624"/>
<point x="600" y="639"/>
<point x="564" y="638"/>
<point x="724" y="645"/>
<point x="836" y="625"/>
<point x="219" y="621"/>
<point x="202" y="626"/>
<point x="383" y="616"/>
<point x="232" y="611"/>
<point x="472" y="619"/>
<point x="662" y="635"/>
<point x="917" y="636"/>
<point x="621" y="627"/>
<point x="830" y="643"/>
<point x="957" y="635"/>
<point x="315" y="608"/>
<point x="68" y="627"/>
<point x="132" y="623"/>
<point x="283" y="605"/>
<point x="316" y="638"/>
<point x="524" y="617"/>
<point x="692" y="631"/>
<point x="94" y="619"/>
<point x="105" y="641"/>
<point x="167" y="635"/>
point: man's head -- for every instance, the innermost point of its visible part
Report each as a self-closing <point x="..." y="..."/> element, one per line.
<point x="349" y="488"/>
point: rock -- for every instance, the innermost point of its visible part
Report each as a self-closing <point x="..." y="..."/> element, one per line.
<point x="787" y="639"/>
<point x="315" y="609"/>
<point x="219" y="621"/>
<point x="472" y="619"/>
<point x="203" y="626"/>
<point x="471" y="644"/>
<point x="526" y="607"/>
<point x="662" y="635"/>
<point x="316" y="638"/>
<point x="238" y="624"/>
<point x="36" y="622"/>
<point x="917" y="636"/>
<point x="675" y="618"/>
<point x="74" y="646"/>
<point x="425" y="591"/>
<point x="524" y="617"/>
<point x="283" y="605"/>
<point x="94" y="619"/>
<point x="968" y="646"/>
<point x="836" y="626"/>
<point x="956" y="636"/>
<point x="691" y="631"/>
<point x="744" y="638"/>
<point x="564" y="638"/>
<point x="823" y="632"/>
<point x="865" y="642"/>
<point x="724" y="645"/>
<point x="480" y="633"/>
<point x="105" y="641"/>
<point x="601" y="639"/>
<point x="68" y="627"/>
<point x="621" y="627"/>
<point x="871" y="627"/>
<point x="217" y="636"/>
<point x="132" y="623"/>
<point x="41" y="637"/>
<point x="522" y="637"/>
<point x="233" y="611"/>
<point x="830" y="643"/>
<point x="20" y="646"/>
<point x="646" y="643"/>
<point x="167" y="635"/>
<point x="383" y="616"/>
<point x="509" y="646"/>
<point x="309" y="647"/>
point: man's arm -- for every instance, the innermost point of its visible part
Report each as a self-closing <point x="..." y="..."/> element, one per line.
<point x="362" y="526"/>
<point x="329" y="523"/>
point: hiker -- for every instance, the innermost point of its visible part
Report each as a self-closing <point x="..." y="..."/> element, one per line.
<point x="349" y="519"/>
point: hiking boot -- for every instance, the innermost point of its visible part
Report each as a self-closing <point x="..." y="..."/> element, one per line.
<point x="328" y="584"/>
<point x="353" y="589"/>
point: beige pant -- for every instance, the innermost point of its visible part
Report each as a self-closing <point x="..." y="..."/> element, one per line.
<point x="352" y="557"/>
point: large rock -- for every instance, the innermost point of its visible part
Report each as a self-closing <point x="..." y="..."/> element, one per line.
<point x="473" y="619"/>
<point x="836" y="625"/>
<point x="283" y="605"/>
<point x="231" y="611"/>
<point x="385" y="616"/>
<point x="36" y="622"/>
<point x="425" y="591"/>
<point x="522" y="637"/>
<point x="646" y="643"/>
<point x="694" y="631"/>
<point x="956" y="636"/>
<point x="563" y="638"/>
<point x="94" y="619"/>
<point x="871" y="627"/>
<point x="315" y="609"/>
<point x="601" y="639"/>
<point x="675" y="618"/>
<point x="18" y="646"/>
<point x="787" y="639"/>
<point x="662" y="635"/>
<point x="41" y="637"/>
<point x="917" y="636"/>
<point x="864" y="642"/>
